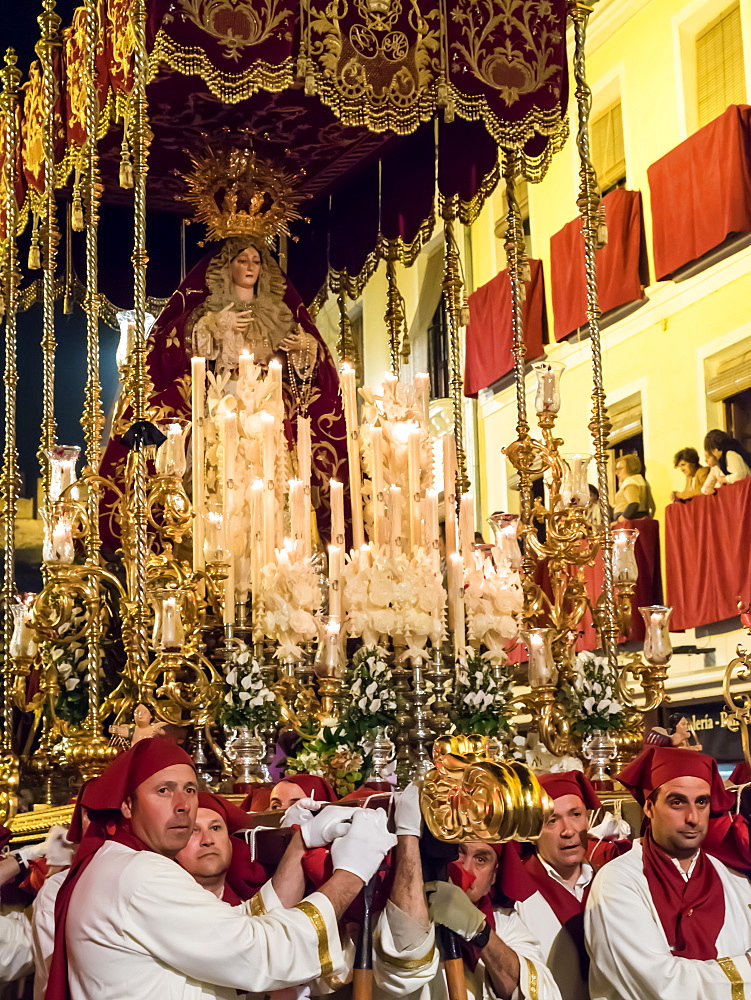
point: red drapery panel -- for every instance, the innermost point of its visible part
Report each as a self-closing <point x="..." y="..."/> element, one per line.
<point x="489" y="335"/>
<point x="701" y="191"/>
<point x="621" y="264"/>
<point x="707" y="565"/>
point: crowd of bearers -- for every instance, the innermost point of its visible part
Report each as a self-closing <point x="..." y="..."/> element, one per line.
<point x="165" y="899"/>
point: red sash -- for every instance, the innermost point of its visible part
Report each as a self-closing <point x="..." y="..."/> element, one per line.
<point x="691" y="913"/>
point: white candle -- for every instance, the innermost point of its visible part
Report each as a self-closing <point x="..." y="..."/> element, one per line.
<point x="275" y="381"/>
<point x="449" y="492"/>
<point x="467" y="526"/>
<point x="269" y="492"/>
<point x="63" y="549"/>
<point x="389" y="386"/>
<point x="395" y="520"/>
<point x="366" y="557"/>
<point x="422" y="387"/>
<point x="456" y="602"/>
<point x="304" y="459"/>
<point x="256" y="546"/>
<point x="431" y="530"/>
<point x="337" y="512"/>
<point x="335" y="578"/>
<point x="198" y="389"/>
<point x="297" y="511"/>
<point x="229" y="448"/>
<point x="413" y="476"/>
<point x="246" y="362"/>
<point x="349" y="398"/>
<point x="376" y="443"/>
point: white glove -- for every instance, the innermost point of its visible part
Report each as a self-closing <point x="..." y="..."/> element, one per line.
<point x="407" y="815"/>
<point x="300" y="812"/>
<point x="362" y="849"/>
<point x="451" y="906"/>
<point x="329" y="824"/>
<point x="56" y="848"/>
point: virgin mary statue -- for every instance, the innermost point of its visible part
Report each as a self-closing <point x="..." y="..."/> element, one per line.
<point x="234" y="301"/>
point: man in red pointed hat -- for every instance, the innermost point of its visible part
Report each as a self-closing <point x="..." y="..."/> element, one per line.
<point x="208" y="854"/>
<point x="130" y="922"/>
<point x="549" y="881"/>
<point x="499" y="956"/>
<point x="667" y="921"/>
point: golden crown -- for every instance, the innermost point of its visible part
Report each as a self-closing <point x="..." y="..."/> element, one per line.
<point x="234" y="192"/>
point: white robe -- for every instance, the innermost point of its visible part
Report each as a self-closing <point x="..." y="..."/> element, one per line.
<point x="630" y="956"/>
<point x="557" y="947"/>
<point x="43" y="930"/>
<point x="15" y="946"/>
<point x="427" y="981"/>
<point x="139" y="926"/>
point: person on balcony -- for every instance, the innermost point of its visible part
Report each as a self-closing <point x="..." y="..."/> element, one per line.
<point x="715" y="477"/>
<point x="634" y="497"/>
<point x="687" y="460"/>
<point x="733" y="459"/>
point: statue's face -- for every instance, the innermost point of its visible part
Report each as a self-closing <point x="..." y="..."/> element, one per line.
<point x="245" y="268"/>
<point x="141" y="715"/>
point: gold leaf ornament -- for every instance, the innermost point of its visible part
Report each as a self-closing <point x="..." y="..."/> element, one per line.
<point x="466" y="798"/>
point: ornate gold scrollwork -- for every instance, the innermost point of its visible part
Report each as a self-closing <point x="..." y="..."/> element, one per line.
<point x="466" y="798"/>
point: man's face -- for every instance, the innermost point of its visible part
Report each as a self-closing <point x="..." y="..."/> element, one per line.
<point x="680" y="816"/>
<point x="245" y="268"/>
<point x="563" y="841"/>
<point x="209" y="851"/>
<point x="162" y="811"/>
<point x="285" y="794"/>
<point x="481" y="861"/>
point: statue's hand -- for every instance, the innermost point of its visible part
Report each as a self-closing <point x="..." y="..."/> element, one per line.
<point x="239" y="321"/>
<point x="295" y="342"/>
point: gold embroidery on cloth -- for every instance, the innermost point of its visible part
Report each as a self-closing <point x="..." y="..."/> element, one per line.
<point x="235" y="25"/>
<point x="728" y="967"/>
<point x="257" y="906"/>
<point x="407" y="964"/>
<point x="532" y="979"/>
<point x="314" y="916"/>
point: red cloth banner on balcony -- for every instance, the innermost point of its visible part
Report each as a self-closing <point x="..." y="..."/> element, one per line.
<point x="701" y="191"/>
<point x="621" y="264"/>
<point x="489" y="335"/>
<point x="707" y="568"/>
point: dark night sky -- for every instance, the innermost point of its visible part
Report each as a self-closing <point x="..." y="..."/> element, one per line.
<point x="19" y="28"/>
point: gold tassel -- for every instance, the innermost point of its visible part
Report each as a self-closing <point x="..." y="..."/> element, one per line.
<point x="126" y="165"/>
<point x="77" y="215"/>
<point x="35" y="258"/>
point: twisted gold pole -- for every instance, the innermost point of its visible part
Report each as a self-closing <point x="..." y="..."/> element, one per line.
<point x="93" y="418"/>
<point x="49" y="23"/>
<point x="11" y="77"/>
<point x="452" y="291"/>
<point x="394" y="316"/>
<point x="138" y="651"/>
<point x="516" y="257"/>
<point x="592" y="221"/>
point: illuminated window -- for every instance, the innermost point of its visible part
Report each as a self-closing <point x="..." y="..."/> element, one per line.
<point x="720" y="75"/>
<point x="608" y="155"/>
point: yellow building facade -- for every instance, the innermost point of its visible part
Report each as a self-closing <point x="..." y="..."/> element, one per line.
<point x="663" y="357"/>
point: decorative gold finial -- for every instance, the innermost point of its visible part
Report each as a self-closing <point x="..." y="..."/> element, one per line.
<point x="236" y="193"/>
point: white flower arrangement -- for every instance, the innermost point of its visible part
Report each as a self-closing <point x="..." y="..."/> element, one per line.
<point x="289" y="600"/>
<point x="372" y="702"/>
<point x="248" y="700"/>
<point x="394" y="595"/>
<point x="479" y="700"/>
<point x="493" y="600"/>
<point x="592" y="697"/>
<point x="531" y="751"/>
<point x="70" y="660"/>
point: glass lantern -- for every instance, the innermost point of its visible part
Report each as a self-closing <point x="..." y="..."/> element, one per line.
<point x="168" y="623"/>
<point x="214" y="548"/>
<point x="542" y="669"/>
<point x="62" y="459"/>
<point x="548" y="395"/>
<point x="170" y="456"/>
<point x="329" y="661"/>
<point x="657" y="646"/>
<point x="575" y="486"/>
<point x="58" y="545"/>
<point x="625" y="569"/>
<point x="127" y="322"/>
<point x="505" y="535"/>
<point x="23" y="641"/>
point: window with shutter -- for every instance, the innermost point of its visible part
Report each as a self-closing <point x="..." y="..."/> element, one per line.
<point x="606" y="143"/>
<point x="720" y="73"/>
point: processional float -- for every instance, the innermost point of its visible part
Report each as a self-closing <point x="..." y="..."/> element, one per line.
<point x="227" y="599"/>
